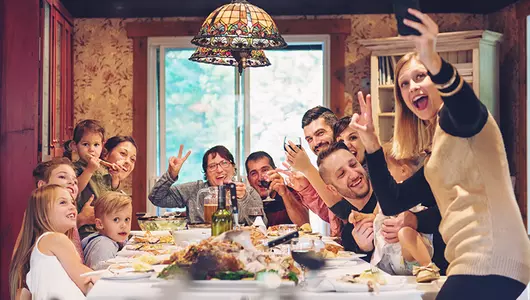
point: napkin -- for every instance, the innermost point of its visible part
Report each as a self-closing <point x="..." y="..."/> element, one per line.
<point x="260" y="225"/>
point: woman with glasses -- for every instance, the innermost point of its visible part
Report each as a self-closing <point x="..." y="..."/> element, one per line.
<point x="219" y="168"/>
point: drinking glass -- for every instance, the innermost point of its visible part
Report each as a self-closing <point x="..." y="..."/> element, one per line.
<point x="207" y="197"/>
<point x="295" y="139"/>
<point x="300" y="246"/>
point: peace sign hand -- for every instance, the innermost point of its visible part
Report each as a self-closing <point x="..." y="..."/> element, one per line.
<point x="426" y="42"/>
<point x="175" y="163"/>
<point x="364" y="124"/>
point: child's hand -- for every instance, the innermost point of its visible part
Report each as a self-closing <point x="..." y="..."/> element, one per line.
<point x="86" y="215"/>
<point x="93" y="164"/>
<point x="392" y="226"/>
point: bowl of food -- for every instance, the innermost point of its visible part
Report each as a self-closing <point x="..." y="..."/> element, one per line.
<point x="156" y="223"/>
<point x="192" y="235"/>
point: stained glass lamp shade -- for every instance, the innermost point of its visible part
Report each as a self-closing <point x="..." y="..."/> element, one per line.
<point x="239" y="59"/>
<point x="239" y="25"/>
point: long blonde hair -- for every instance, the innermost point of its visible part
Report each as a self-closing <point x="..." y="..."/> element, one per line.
<point x="36" y="222"/>
<point x="412" y="136"/>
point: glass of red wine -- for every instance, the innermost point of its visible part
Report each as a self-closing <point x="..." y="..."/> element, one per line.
<point x="301" y="248"/>
<point x="294" y="139"/>
<point x="254" y="212"/>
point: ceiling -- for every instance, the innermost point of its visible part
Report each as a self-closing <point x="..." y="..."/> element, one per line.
<point x="201" y="8"/>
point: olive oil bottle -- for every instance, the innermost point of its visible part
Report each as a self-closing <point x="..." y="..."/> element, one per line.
<point x="222" y="219"/>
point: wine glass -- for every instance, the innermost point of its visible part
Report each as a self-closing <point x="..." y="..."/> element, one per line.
<point x="295" y="139"/>
<point x="254" y="213"/>
<point x="299" y="248"/>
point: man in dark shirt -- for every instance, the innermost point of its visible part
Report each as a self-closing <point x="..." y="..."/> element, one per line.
<point x="343" y="174"/>
<point x="346" y="177"/>
<point x="282" y="205"/>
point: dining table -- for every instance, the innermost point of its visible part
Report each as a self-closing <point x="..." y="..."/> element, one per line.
<point x="320" y="285"/>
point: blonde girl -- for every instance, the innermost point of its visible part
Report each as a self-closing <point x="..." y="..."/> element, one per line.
<point x="46" y="261"/>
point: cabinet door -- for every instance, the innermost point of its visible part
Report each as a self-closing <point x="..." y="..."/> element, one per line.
<point x="56" y="103"/>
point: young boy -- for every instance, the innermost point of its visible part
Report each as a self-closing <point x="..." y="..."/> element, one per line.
<point x="113" y="212"/>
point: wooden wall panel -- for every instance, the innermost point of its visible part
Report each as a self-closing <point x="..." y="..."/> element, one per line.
<point x="139" y="188"/>
<point x="19" y="86"/>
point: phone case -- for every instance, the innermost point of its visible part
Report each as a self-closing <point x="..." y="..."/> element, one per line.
<point x="401" y="11"/>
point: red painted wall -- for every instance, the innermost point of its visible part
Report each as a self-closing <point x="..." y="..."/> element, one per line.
<point x="19" y="85"/>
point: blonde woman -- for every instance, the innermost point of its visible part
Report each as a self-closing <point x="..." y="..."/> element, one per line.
<point x="466" y="170"/>
<point x="46" y="261"/>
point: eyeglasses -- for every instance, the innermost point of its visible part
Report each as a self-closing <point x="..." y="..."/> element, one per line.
<point x="224" y="164"/>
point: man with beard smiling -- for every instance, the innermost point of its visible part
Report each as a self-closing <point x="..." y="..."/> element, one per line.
<point x="346" y="177"/>
<point x="281" y="204"/>
<point x="317" y="124"/>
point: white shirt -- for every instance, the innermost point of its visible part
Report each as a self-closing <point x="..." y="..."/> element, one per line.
<point x="47" y="279"/>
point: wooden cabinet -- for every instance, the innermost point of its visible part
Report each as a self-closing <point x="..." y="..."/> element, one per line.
<point x="474" y="53"/>
<point x="56" y="85"/>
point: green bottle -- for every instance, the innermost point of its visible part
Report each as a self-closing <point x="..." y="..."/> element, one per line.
<point x="222" y="219"/>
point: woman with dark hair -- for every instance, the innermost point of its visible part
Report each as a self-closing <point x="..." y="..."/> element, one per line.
<point x="120" y="150"/>
<point x="342" y="132"/>
<point x="219" y="168"/>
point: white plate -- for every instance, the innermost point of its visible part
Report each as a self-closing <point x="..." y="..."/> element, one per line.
<point x="119" y="260"/>
<point x="128" y="276"/>
<point x="153" y="233"/>
<point x="345" y="256"/>
<point x="129" y="253"/>
<point x="336" y="285"/>
<point x="232" y="284"/>
<point x="393" y="284"/>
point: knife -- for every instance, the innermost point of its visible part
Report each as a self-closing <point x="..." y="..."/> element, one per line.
<point x="283" y="239"/>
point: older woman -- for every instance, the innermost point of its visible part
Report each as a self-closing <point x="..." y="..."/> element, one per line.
<point x="219" y="168"/>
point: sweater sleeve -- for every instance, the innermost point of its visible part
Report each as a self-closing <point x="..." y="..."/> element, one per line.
<point x="429" y="220"/>
<point x="463" y="115"/>
<point x="393" y="197"/>
<point x="342" y="209"/>
<point x="312" y="200"/>
<point x="166" y="194"/>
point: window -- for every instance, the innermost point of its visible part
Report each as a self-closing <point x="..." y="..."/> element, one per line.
<point x="196" y="104"/>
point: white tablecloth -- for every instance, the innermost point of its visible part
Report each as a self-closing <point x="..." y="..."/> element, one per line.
<point x="145" y="289"/>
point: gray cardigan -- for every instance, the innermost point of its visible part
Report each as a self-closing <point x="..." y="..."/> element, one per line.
<point x="167" y="194"/>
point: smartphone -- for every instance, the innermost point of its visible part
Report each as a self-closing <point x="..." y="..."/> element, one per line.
<point x="401" y="11"/>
